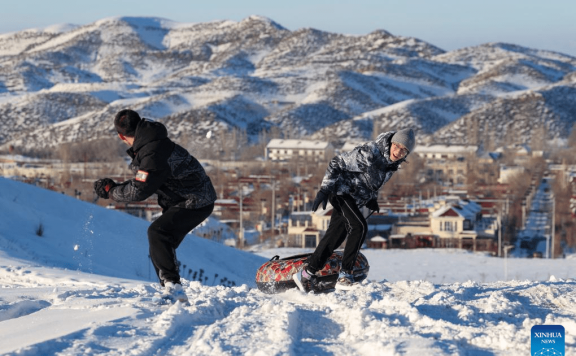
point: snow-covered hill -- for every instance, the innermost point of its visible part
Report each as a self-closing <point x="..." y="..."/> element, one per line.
<point x="64" y="83"/>
<point x="83" y="288"/>
<point x="85" y="237"/>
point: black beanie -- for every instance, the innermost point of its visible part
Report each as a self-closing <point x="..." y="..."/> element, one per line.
<point x="126" y="122"/>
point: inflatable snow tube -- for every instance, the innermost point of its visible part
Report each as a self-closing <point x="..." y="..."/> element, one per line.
<point x="275" y="276"/>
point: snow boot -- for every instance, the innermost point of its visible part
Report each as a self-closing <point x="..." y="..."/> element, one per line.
<point x="174" y="292"/>
<point x="346" y="281"/>
<point x="304" y="279"/>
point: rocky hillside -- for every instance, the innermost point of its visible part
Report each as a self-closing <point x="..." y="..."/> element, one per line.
<point x="64" y="84"/>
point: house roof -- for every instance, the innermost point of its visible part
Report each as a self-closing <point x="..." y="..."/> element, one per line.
<point x="305" y="213"/>
<point x="322" y="212"/>
<point x="350" y="145"/>
<point x="494" y="156"/>
<point x="512" y="168"/>
<point x="378" y="239"/>
<point x="225" y="202"/>
<point x="304" y="144"/>
<point x="446" y="149"/>
<point x="379" y="227"/>
<point x="298" y="229"/>
<point x="463" y="208"/>
<point x="518" y="148"/>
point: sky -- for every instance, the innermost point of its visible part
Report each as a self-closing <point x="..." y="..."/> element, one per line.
<point x="448" y="24"/>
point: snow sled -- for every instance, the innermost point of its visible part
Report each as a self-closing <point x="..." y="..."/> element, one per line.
<point x="275" y="276"/>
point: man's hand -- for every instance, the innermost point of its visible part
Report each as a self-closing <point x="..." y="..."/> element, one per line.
<point x="102" y="187"/>
<point x="321" y="197"/>
<point x="373" y="205"/>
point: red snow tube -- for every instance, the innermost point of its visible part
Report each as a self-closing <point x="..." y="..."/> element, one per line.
<point x="275" y="275"/>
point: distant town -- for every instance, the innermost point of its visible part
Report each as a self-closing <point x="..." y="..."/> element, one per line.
<point x="508" y="201"/>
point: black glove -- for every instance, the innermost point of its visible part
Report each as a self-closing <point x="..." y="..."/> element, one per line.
<point x="321" y="197"/>
<point x="373" y="205"/>
<point x="102" y="187"/>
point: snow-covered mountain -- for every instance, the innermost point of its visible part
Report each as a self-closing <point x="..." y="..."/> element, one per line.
<point x="64" y="83"/>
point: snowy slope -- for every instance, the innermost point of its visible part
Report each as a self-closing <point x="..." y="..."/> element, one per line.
<point x="97" y="299"/>
<point x="84" y="237"/>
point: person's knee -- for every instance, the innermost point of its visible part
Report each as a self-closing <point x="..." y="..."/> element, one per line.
<point x="359" y="228"/>
<point x="154" y="232"/>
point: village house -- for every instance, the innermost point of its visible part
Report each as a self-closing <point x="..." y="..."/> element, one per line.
<point x="461" y="225"/>
<point x="450" y="222"/>
<point x="446" y="163"/>
<point x="147" y="209"/>
<point x="378" y="242"/>
<point x="21" y="166"/>
<point x="286" y="150"/>
<point x="307" y="228"/>
<point x="412" y="232"/>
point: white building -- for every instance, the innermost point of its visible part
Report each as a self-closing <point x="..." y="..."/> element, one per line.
<point x="451" y="152"/>
<point x="508" y="172"/>
<point x="446" y="163"/>
<point x="455" y="219"/>
<point x="284" y="150"/>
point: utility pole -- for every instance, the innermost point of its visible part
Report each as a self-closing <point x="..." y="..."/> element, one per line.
<point x="523" y="214"/>
<point x="241" y="232"/>
<point x="506" y="249"/>
<point x="553" y="224"/>
<point x="273" y="204"/>
<point x="300" y="199"/>
<point x="499" y="235"/>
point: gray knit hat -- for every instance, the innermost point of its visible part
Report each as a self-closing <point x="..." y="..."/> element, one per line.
<point x="406" y="138"/>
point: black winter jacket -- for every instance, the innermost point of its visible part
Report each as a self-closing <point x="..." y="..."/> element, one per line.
<point x="361" y="172"/>
<point x="164" y="168"/>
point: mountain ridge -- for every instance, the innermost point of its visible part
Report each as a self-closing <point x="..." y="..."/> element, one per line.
<point x="255" y="74"/>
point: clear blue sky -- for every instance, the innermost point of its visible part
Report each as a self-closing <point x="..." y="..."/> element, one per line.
<point x="448" y="24"/>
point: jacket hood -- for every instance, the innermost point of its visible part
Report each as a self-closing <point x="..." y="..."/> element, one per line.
<point x="148" y="131"/>
<point x="384" y="142"/>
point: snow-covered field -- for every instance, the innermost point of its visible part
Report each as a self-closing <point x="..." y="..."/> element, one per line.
<point x="83" y="288"/>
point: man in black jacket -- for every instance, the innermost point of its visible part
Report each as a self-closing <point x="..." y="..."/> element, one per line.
<point x="352" y="180"/>
<point x="185" y="192"/>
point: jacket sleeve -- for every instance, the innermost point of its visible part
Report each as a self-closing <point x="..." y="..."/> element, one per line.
<point x="153" y="171"/>
<point x="356" y="160"/>
<point x="335" y="167"/>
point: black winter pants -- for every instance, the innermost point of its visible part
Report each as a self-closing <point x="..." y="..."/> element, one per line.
<point x="346" y="222"/>
<point x="165" y="235"/>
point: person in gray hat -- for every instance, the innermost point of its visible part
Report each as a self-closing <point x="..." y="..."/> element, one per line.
<point x="352" y="180"/>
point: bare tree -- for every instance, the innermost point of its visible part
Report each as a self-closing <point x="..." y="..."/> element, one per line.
<point x="538" y="138"/>
<point x="572" y="138"/>
<point x="473" y="131"/>
<point x="488" y="138"/>
<point x="565" y="226"/>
